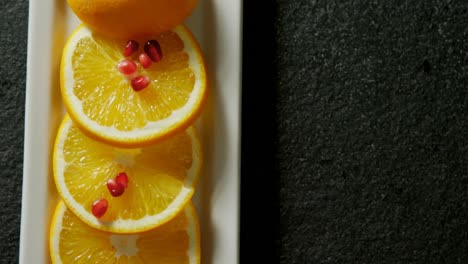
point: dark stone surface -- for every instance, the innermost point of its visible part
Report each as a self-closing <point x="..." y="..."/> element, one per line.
<point x="13" y="41"/>
<point x="355" y="118"/>
<point x="372" y="121"/>
<point x="366" y="141"/>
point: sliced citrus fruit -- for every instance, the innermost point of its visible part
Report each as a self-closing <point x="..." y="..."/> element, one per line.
<point x="102" y="98"/>
<point x="129" y="18"/>
<point x="73" y="241"/>
<point x="160" y="179"/>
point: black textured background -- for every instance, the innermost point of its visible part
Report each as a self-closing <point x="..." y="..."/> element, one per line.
<point x="13" y="42"/>
<point x="355" y="135"/>
<point x="354" y="131"/>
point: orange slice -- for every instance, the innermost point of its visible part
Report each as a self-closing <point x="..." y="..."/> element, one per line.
<point x="100" y="99"/>
<point x="161" y="178"/>
<point x="73" y="241"/>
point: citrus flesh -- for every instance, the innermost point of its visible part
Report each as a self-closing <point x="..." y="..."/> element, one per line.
<point x="175" y="242"/>
<point x="161" y="178"/>
<point x="102" y="102"/>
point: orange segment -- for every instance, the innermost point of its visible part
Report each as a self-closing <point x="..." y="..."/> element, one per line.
<point x="102" y="102"/>
<point x="73" y="241"/>
<point x="162" y="178"/>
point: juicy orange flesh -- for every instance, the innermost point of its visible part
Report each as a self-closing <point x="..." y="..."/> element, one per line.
<point x="107" y="95"/>
<point x="156" y="174"/>
<point x="79" y="243"/>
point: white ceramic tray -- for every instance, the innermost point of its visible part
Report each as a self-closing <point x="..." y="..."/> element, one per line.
<point x="217" y="26"/>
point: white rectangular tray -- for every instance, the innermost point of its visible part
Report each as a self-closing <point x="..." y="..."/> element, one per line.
<point x="217" y="26"/>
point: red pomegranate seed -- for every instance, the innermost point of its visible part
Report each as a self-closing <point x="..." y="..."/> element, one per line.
<point x="145" y="60"/>
<point x="114" y="188"/>
<point x="127" y="67"/>
<point x="100" y="207"/>
<point x="130" y="48"/>
<point x="153" y="50"/>
<point x="122" y="179"/>
<point x="140" y="82"/>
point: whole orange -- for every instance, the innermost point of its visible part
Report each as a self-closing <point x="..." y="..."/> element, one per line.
<point x="132" y="18"/>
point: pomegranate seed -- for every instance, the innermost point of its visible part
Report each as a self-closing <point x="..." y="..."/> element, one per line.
<point x="122" y="179"/>
<point x="127" y="67"/>
<point x="100" y="207"/>
<point x="145" y="60"/>
<point x="114" y="188"/>
<point x="153" y="50"/>
<point x="140" y="82"/>
<point x="130" y="48"/>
